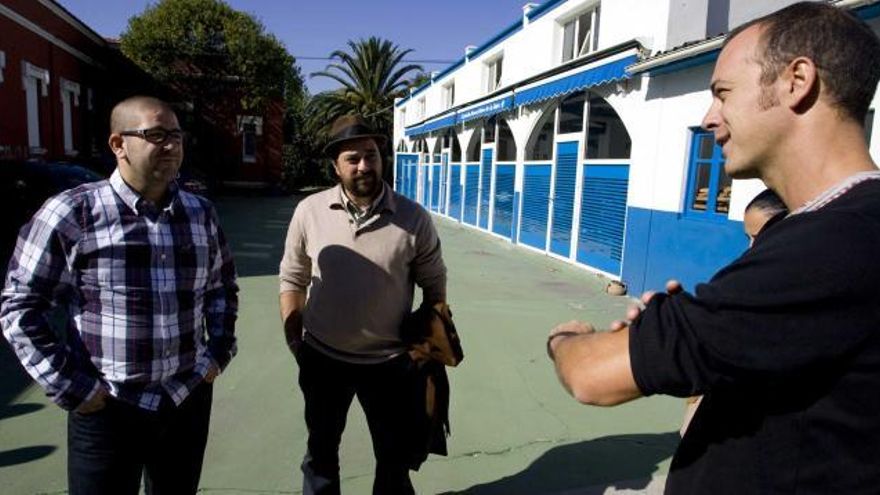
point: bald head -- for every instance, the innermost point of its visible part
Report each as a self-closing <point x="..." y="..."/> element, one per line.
<point x="128" y="112"/>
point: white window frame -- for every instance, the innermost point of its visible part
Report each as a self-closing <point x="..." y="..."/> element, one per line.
<point x="448" y="92"/>
<point x="33" y="80"/>
<point x="2" y="64"/>
<point x="69" y="94"/>
<point x="257" y="123"/>
<point x="421" y="108"/>
<point x="493" y="70"/>
<point x="590" y="43"/>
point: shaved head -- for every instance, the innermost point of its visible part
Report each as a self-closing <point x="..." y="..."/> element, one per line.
<point x="128" y="112"/>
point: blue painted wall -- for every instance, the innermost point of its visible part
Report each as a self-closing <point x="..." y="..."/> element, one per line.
<point x="662" y="245"/>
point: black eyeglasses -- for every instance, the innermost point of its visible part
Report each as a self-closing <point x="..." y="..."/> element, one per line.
<point x="155" y="135"/>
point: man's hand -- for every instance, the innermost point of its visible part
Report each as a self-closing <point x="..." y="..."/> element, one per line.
<point x="212" y="373"/>
<point x="95" y="404"/>
<point x="672" y="287"/>
<point x="564" y="331"/>
<point x="292" y="304"/>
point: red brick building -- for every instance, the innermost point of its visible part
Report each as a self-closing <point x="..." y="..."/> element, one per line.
<point x="59" y="79"/>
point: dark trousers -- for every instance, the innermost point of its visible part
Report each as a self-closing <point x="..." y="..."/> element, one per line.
<point x="110" y="449"/>
<point x="385" y="391"/>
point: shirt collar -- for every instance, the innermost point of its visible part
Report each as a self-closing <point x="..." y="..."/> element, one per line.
<point x="133" y="199"/>
<point x="836" y="191"/>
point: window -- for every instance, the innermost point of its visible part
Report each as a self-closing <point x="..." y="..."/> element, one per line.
<point x="250" y="127"/>
<point x="571" y="113"/>
<point x="489" y="131"/>
<point x="541" y="147"/>
<point x="869" y="125"/>
<point x="506" y="145"/>
<point x="420" y="109"/>
<point x="2" y="64"/>
<point x="448" y="95"/>
<point x="401" y="146"/>
<point x="36" y="84"/>
<point x="69" y="99"/>
<point x="607" y="137"/>
<point x="493" y="74"/>
<point x="472" y="154"/>
<point x="580" y="35"/>
<point x="708" y="192"/>
<point x="456" y="150"/>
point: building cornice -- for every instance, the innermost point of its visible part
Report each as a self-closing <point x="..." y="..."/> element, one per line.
<point x="30" y="26"/>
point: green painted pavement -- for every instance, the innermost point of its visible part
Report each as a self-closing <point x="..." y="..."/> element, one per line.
<point x="514" y="429"/>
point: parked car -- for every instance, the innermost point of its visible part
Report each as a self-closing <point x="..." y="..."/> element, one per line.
<point x="25" y="186"/>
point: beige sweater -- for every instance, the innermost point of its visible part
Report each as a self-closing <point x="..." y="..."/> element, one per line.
<point x="360" y="279"/>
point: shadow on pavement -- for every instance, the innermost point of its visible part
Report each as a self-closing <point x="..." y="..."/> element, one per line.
<point x="598" y="464"/>
<point x="15" y="380"/>
<point x="25" y="454"/>
<point x="258" y="227"/>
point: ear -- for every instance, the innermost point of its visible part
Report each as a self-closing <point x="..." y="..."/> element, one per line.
<point x="116" y="141"/>
<point x="801" y="83"/>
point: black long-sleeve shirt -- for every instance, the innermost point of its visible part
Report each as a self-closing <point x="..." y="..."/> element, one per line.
<point x="785" y="345"/>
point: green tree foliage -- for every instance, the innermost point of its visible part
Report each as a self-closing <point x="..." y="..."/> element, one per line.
<point x="371" y="75"/>
<point x="204" y="48"/>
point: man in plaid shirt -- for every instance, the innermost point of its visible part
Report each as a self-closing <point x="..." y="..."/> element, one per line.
<point x="143" y="270"/>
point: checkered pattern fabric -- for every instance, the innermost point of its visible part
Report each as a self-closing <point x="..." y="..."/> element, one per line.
<point x="150" y="294"/>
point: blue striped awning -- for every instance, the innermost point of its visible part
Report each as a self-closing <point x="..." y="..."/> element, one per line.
<point x="486" y="109"/>
<point x="612" y="71"/>
<point x="447" y="121"/>
<point x="440" y="123"/>
<point x="413" y="131"/>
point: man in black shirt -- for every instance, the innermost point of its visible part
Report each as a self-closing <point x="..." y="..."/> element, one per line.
<point x="785" y="341"/>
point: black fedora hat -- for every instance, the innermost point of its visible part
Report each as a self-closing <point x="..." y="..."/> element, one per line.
<point x="350" y="127"/>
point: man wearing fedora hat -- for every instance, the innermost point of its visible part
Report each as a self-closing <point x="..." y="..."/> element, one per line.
<point x="357" y="250"/>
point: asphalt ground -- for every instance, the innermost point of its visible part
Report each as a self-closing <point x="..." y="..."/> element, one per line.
<point x="514" y="429"/>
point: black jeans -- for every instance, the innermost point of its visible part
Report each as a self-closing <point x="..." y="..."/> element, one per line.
<point x="109" y="450"/>
<point x="385" y="391"/>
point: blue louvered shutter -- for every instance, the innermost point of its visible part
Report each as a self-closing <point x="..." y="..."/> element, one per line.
<point x="444" y="171"/>
<point x="535" y="201"/>
<point x="603" y="216"/>
<point x="563" y="198"/>
<point x="471" y="188"/>
<point x="502" y="221"/>
<point x="455" y="192"/>
<point x="435" y="187"/>
<point x="485" y="188"/>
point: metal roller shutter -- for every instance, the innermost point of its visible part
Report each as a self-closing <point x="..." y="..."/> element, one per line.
<point x="502" y="220"/>
<point x="485" y="188"/>
<point x="563" y="198"/>
<point x="603" y="216"/>
<point x="535" y="202"/>
<point x="471" y="186"/>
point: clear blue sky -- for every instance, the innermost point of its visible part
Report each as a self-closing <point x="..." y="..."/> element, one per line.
<point x="435" y="30"/>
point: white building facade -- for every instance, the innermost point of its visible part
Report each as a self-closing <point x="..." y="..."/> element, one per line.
<point x="575" y="132"/>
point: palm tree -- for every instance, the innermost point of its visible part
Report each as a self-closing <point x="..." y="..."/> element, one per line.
<point x="371" y="76"/>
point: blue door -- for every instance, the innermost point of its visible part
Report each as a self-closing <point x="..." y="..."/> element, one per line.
<point x="563" y="198"/>
<point x="471" y="188"/>
<point x="485" y="188"/>
<point x="603" y="216"/>
<point x="444" y="171"/>
<point x="502" y="220"/>
<point x="455" y="192"/>
<point x="435" y="187"/>
<point x="535" y="201"/>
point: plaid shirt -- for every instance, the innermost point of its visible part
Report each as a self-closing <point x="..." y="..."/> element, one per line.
<point x="141" y="286"/>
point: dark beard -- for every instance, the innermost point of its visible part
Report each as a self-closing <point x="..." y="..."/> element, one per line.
<point x="364" y="186"/>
